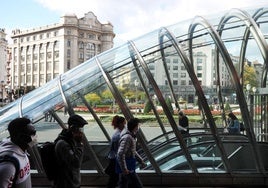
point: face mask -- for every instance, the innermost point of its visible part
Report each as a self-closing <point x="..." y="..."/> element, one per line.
<point x="34" y="141"/>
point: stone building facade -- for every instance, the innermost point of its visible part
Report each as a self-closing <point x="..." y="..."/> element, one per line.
<point x="3" y="59"/>
<point x="41" y="54"/>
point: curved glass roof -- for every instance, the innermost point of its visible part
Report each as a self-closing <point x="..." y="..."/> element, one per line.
<point x="143" y="66"/>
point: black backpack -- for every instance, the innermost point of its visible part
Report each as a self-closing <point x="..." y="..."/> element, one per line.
<point x="49" y="161"/>
<point x="15" y="162"/>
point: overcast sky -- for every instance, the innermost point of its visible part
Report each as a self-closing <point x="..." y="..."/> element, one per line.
<point x="130" y="18"/>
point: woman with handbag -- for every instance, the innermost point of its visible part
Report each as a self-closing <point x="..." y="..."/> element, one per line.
<point x="118" y="123"/>
<point x="127" y="156"/>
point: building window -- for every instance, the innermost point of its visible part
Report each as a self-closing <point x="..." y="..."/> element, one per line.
<point x="56" y="67"/>
<point x="49" y="77"/>
<point x="49" y="46"/>
<point x="199" y="60"/>
<point x="175" y="61"/>
<point x="151" y="67"/>
<point x="22" y="58"/>
<point x="35" y="56"/>
<point x="91" y="36"/>
<point x="183" y="75"/>
<point x="35" y="79"/>
<point x="49" y="66"/>
<point x="68" y="64"/>
<point x="42" y="67"/>
<point x="56" y="54"/>
<point x="175" y="75"/>
<point x="48" y="35"/>
<point x="69" y="32"/>
<point x="199" y="75"/>
<point x="22" y="67"/>
<point x="90" y="46"/>
<point x="34" y="37"/>
<point x="190" y="82"/>
<point x="183" y="82"/>
<point x="199" y="67"/>
<point x="55" y="33"/>
<point x="175" y="82"/>
<point x="81" y="55"/>
<point x="49" y="55"/>
<point x="28" y="79"/>
<point x="41" y="36"/>
<point x="81" y="45"/>
<point x="56" y="45"/>
<point x="28" y="68"/>
<point x="68" y="43"/>
<point x="35" y="67"/>
<point x="175" y="68"/>
<point x="82" y="35"/>
<point x="68" y="53"/>
<point x="42" y="79"/>
<point x="28" y="58"/>
<point x="42" y="56"/>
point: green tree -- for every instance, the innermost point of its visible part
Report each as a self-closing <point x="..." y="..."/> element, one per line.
<point x="93" y="98"/>
<point x="227" y="106"/>
<point x="148" y="107"/>
<point x="169" y="104"/>
<point x="107" y="94"/>
<point x="250" y="76"/>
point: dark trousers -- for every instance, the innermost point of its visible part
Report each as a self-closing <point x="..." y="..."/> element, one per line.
<point x="130" y="180"/>
<point x="113" y="180"/>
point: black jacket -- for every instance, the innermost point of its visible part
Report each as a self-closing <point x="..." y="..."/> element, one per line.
<point x="69" y="155"/>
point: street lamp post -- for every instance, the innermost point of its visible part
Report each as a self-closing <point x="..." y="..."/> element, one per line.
<point x="9" y="93"/>
<point x="248" y="87"/>
<point x="136" y="83"/>
<point x="2" y="92"/>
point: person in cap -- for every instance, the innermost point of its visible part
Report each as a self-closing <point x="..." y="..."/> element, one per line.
<point x="183" y="123"/>
<point x="15" y="165"/>
<point x="69" y="153"/>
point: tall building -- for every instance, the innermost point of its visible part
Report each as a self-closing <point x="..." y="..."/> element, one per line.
<point x="41" y="54"/>
<point x="3" y="59"/>
<point x="204" y="61"/>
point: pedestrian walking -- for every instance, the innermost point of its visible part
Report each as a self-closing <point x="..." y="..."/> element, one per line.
<point x="118" y="123"/>
<point x="233" y="124"/>
<point x="69" y="153"/>
<point x="127" y="156"/>
<point x="14" y="161"/>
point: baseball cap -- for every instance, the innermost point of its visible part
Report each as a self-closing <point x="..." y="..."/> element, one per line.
<point x="76" y="121"/>
<point x="21" y="126"/>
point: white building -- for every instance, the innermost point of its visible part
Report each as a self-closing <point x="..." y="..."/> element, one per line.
<point x="41" y="54"/>
<point x="3" y="60"/>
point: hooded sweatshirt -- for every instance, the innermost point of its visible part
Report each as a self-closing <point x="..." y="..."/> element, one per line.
<point x="8" y="170"/>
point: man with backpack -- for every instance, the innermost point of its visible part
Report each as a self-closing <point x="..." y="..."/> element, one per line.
<point x="69" y="153"/>
<point x="14" y="162"/>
